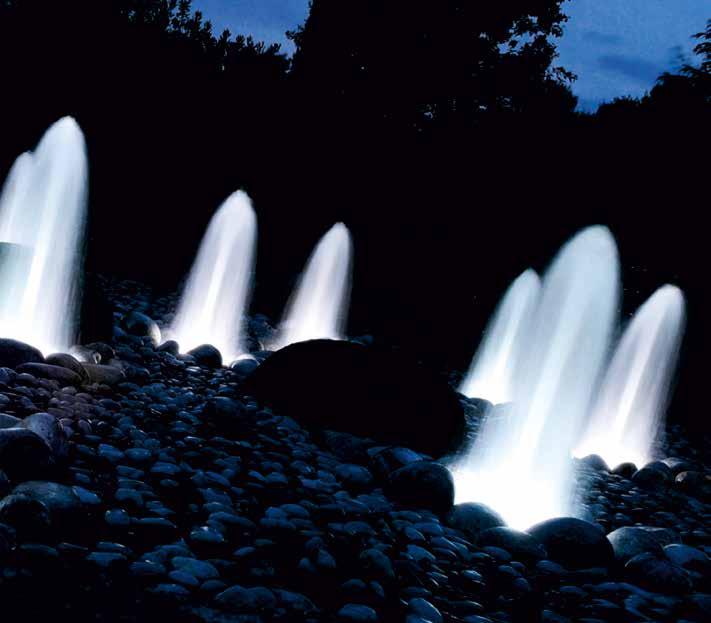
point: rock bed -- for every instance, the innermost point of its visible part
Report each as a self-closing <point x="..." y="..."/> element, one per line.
<point x="164" y="491"/>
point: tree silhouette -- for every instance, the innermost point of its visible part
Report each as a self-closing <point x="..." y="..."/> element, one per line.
<point x="688" y="93"/>
<point x="431" y="62"/>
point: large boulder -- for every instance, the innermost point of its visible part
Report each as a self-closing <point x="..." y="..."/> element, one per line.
<point x="361" y="390"/>
<point x="574" y="543"/>
<point x="14" y="353"/>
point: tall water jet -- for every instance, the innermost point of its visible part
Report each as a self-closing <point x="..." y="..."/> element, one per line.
<point x="521" y="463"/>
<point x="319" y="306"/>
<point x="491" y="374"/>
<point x="42" y="222"/>
<point x="216" y="296"/>
<point x="630" y="409"/>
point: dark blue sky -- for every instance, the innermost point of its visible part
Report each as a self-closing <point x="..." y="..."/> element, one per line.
<point x="616" y="47"/>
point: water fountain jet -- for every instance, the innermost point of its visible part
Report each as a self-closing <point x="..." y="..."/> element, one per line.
<point x="319" y="305"/>
<point x="42" y="222"/>
<point x="520" y="464"/>
<point x="491" y="374"/>
<point x="629" y="411"/>
<point x="216" y="295"/>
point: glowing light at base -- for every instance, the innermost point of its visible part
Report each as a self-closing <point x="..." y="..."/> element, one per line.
<point x="319" y="305"/>
<point x="629" y="412"/>
<point x="520" y="464"/>
<point x="491" y="374"/>
<point x="521" y="502"/>
<point x="42" y="223"/>
<point x="217" y="292"/>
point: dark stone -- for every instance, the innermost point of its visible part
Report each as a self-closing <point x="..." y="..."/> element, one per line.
<point x="346" y="447"/>
<point x="424" y="484"/>
<point x="29" y="517"/>
<point x="5" y="484"/>
<point x="86" y="355"/>
<point x="206" y="355"/>
<point x="650" y="478"/>
<point x="353" y="476"/>
<point x="49" y="429"/>
<point x="574" y="543"/>
<point x="9" y="421"/>
<point x="520" y="545"/>
<point x="377" y="566"/>
<point x="252" y="344"/>
<point x="697" y="484"/>
<point x="63" y="504"/>
<point x="67" y="361"/>
<point x="658" y="574"/>
<point x="699" y="605"/>
<point x="108" y="375"/>
<point x="361" y="390"/>
<point x="626" y="470"/>
<point x="24" y="454"/>
<point x="246" y="600"/>
<point x="14" y="353"/>
<point x="244" y="367"/>
<point x="223" y="408"/>
<point x="473" y="518"/>
<point x="171" y="347"/>
<point x="629" y="541"/>
<point x="661" y="467"/>
<point x="54" y="373"/>
<point x="425" y="610"/>
<point x="676" y="465"/>
<point x="596" y="462"/>
<point x="688" y="558"/>
<point x="105" y="352"/>
<point x="356" y="613"/>
<point x="141" y="325"/>
<point x="387" y="460"/>
<point x="7" y="539"/>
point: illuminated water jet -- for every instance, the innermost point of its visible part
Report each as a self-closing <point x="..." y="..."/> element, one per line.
<point x="520" y="464"/>
<point x="319" y="305"/>
<point x="630" y="408"/>
<point x="491" y="374"/>
<point x="42" y="222"/>
<point x="216" y="295"/>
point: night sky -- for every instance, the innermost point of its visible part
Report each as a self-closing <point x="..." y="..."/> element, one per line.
<point x="616" y="47"/>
